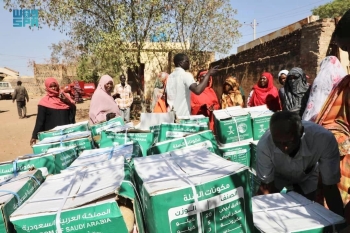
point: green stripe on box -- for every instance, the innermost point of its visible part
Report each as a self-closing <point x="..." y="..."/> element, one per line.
<point x="169" y="131"/>
<point x="99" y="217"/>
<point x="236" y="152"/>
<point x="77" y="128"/>
<point x="204" y="138"/>
<point x="145" y="139"/>
<point x="98" y="128"/>
<point x="80" y="145"/>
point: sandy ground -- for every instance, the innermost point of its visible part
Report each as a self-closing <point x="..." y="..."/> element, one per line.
<point x="16" y="133"/>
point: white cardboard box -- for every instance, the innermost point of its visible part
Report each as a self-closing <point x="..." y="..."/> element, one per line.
<point x="194" y="190"/>
<point x="291" y="212"/>
<point x="79" y="201"/>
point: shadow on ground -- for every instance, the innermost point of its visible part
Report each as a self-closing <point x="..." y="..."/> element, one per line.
<point x="28" y="116"/>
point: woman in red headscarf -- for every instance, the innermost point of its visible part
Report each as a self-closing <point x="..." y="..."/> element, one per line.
<point x="206" y="102"/>
<point x="54" y="109"/>
<point x="264" y="92"/>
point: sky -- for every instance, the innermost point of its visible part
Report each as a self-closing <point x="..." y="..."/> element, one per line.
<point x="19" y="45"/>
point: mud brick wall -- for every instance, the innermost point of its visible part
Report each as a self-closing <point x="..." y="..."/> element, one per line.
<point x="303" y="48"/>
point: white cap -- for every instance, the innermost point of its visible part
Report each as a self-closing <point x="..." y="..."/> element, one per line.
<point x="283" y="72"/>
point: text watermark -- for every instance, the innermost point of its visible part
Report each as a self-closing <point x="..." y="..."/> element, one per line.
<point x="24" y="17"/>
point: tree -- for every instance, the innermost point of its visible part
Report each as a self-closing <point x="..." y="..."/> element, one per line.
<point x="333" y="9"/>
<point x="65" y="52"/>
<point x="87" y="70"/>
<point x="118" y="31"/>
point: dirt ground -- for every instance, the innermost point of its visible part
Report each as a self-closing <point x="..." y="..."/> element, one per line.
<point x="15" y="133"/>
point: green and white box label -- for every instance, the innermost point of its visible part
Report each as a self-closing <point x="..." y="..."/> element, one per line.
<point x="222" y="213"/>
<point x="98" y="128"/>
<point x="233" y="126"/>
<point x="64" y="129"/>
<point x="236" y="152"/>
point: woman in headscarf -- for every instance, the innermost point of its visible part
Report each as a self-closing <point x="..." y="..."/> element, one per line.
<point x="77" y="92"/>
<point x="159" y="101"/>
<point x="241" y="90"/>
<point x="264" y="92"/>
<point x="231" y="96"/>
<point x="331" y="72"/>
<point x="206" y="102"/>
<point x="282" y="76"/>
<point x="296" y="90"/>
<point x="335" y="114"/>
<point x="54" y="109"/>
<point x="102" y="106"/>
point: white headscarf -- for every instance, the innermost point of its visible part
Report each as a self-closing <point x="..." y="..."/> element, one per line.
<point x="283" y="72"/>
<point x="330" y="74"/>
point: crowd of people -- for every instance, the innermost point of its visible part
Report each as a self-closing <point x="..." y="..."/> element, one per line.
<point x="58" y="108"/>
<point x="309" y="131"/>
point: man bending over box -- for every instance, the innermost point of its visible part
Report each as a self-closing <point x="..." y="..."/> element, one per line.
<point x="293" y="153"/>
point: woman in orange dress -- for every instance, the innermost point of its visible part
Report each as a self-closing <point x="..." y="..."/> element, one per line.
<point x="159" y="95"/>
<point x="206" y="102"/>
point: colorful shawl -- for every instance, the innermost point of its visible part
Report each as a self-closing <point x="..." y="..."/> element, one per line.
<point x="233" y="97"/>
<point x="331" y="72"/>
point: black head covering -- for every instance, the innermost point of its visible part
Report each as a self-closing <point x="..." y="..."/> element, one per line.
<point x="296" y="91"/>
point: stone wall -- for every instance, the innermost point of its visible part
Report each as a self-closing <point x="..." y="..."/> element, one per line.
<point x="33" y="86"/>
<point x="64" y="74"/>
<point x="303" y="48"/>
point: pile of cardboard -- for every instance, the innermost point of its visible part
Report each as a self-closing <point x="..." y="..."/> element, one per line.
<point x="14" y="192"/>
<point x="81" y="200"/>
<point x="193" y="190"/>
<point x="291" y="212"/>
<point x="160" y="177"/>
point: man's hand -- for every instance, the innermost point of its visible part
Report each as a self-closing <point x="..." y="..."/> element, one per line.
<point x="267" y="189"/>
<point x="211" y="108"/>
<point x="333" y="199"/>
<point x="32" y="141"/>
<point x="27" y="100"/>
<point x="13" y="101"/>
<point x="115" y="96"/>
<point x="213" y="70"/>
<point x="63" y="97"/>
<point x="110" y="115"/>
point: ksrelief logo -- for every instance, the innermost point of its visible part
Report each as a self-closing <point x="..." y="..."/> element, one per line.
<point x="262" y="130"/>
<point x="242" y="128"/>
<point x="230" y="130"/>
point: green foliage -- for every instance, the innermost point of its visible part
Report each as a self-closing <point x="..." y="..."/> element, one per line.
<point x="332" y="9"/>
<point x="85" y="71"/>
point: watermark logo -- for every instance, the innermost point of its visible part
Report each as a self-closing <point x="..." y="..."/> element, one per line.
<point x="24" y="17"/>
